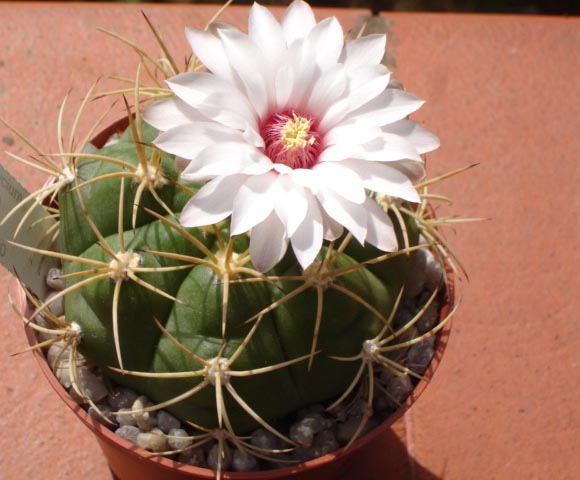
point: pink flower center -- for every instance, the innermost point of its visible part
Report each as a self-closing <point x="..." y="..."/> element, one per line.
<point x="291" y="139"/>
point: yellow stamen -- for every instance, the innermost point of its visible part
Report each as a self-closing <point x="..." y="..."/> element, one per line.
<point x="295" y="133"/>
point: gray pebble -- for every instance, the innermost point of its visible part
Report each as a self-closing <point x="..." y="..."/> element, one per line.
<point x="359" y="407"/>
<point x="53" y="279"/>
<point x="403" y="316"/>
<point x="125" y="419"/>
<point x="57" y="306"/>
<point x="91" y="385"/>
<point x="306" y="411"/>
<point x="398" y="389"/>
<point x="213" y="458"/>
<point x="265" y="440"/>
<point x="102" y="413"/>
<point x="431" y="315"/>
<point x="244" y="462"/>
<point x="434" y="272"/>
<point x="325" y="442"/>
<point x="194" y="456"/>
<point x="345" y="431"/>
<point x="121" y="398"/>
<point x="400" y="353"/>
<point x="303" y="431"/>
<point x="416" y="277"/>
<point x="178" y="439"/>
<point x="128" y="432"/>
<point x="420" y="355"/>
<point x="167" y="422"/>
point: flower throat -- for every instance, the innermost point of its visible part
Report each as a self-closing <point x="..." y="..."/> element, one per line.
<point x="291" y="139"/>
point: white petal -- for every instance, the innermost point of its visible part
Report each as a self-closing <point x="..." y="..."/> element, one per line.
<point x="290" y="203"/>
<point x="226" y="159"/>
<point x="253" y="202"/>
<point x="410" y="168"/>
<point x="297" y="21"/>
<point x="284" y="84"/>
<point x="352" y="215"/>
<point x="210" y="52"/>
<point x="170" y="112"/>
<point x="336" y="153"/>
<point x="334" y="115"/>
<point x="380" y="231"/>
<point x="387" y="149"/>
<point x="342" y="180"/>
<point x="366" y="83"/>
<point x="388" y="107"/>
<point x="382" y="178"/>
<point x="324" y="43"/>
<point x="423" y="140"/>
<point x="213" y="202"/>
<point x="332" y="229"/>
<point x="251" y="66"/>
<point x="189" y="139"/>
<point x="307" y="240"/>
<point x="268" y="243"/>
<point x="180" y="164"/>
<point x="305" y="177"/>
<point x="367" y="50"/>
<point x="266" y="32"/>
<point x="352" y="133"/>
<point x="328" y="88"/>
<point x="215" y="98"/>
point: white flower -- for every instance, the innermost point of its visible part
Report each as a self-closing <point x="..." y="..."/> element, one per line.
<point x="291" y="127"/>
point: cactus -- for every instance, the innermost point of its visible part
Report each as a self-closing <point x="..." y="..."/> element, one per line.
<point x="182" y="315"/>
<point x="159" y="299"/>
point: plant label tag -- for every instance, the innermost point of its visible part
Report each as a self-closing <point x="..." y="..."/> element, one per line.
<point x="29" y="226"/>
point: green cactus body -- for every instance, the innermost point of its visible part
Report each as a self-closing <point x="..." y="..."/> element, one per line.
<point x="270" y="319"/>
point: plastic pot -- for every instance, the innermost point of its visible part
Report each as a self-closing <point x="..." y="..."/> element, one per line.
<point x="129" y="462"/>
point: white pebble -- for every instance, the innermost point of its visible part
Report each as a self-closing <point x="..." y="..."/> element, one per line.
<point x="145" y="420"/>
<point x="178" y="439"/>
<point x="128" y="432"/>
<point x="58" y="359"/>
<point x="154" y="441"/>
<point x="244" y="462"/>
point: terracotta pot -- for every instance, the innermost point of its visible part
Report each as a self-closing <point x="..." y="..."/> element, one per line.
<point x="129" y="462"/>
